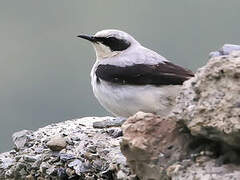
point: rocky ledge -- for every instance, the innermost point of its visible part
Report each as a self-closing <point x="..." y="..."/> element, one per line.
<point x="198" y="140"/>
<point x="72" y="149"/>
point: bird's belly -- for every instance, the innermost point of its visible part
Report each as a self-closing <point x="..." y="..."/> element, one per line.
<point x="126" y="100"/>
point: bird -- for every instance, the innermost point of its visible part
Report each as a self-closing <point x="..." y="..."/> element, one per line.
<point x="128" y="77"/>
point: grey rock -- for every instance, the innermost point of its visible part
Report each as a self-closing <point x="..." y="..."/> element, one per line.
<point x="74" y="163"/>
<point x="39" y="150"/>
<point x="29" y="158"/>
<point x="109" y="122"/>
<point x="82" y="167"/>
<point x="52" y="171"/>
<point x="66" y="157"/>
<point x="43" y="167"/>
<point x="227" y="49"/>
<point x="23" y="172"/>
<point x="115" y="132"/>
<point x="21" y="138"/>
<point x="86" y="154"/>
<point x="36" y="164"/>
<point x="20" y="165"/>
<point x="61" y="173"/>
<point x="214" y="54"/>
<point x="6" y="162"/>
<point x="121" y="175"/>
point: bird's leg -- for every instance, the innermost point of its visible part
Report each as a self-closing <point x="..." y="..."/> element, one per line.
<point x="110" y="122"/>
<point x="225" y="50"/>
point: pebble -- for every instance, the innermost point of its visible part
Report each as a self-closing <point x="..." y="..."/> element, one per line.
<point x="173" y="169"/>
<point x="36" y="164"/>
<point x="187" y="162"/>
<point x="51" y="171"/>
<point x="70" y="172"/>
<point x="121" y="175"/>
<point x="92" y="149"/>
<point x="74" y="163"/>
<point x="29" y="158"/>
<point x="43" y="167"/>
<point x="202" y="159"/>
<point x="29" y="177"/>
<point x="82" y="167"/>
<point x="66" y="157"/>
<point x="61" y="173"/>
<point x="57" y="143"/>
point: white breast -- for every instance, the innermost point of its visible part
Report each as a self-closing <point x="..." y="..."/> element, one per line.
<point x="126" y="100"/>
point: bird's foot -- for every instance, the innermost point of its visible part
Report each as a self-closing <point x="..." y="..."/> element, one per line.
<point x="113" y="122"/>
<point x="225" y="50"/>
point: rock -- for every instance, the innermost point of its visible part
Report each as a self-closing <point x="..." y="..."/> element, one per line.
<point x="151" y="144"/>
<point x="52" y="171"/>
<point x="57" y="143"/>
<point x="209" y="103"/>
<point x="21" y="138"/>
<point x="115" y="132"/>
<point x="6" y="162"/>
<point x="225" y="50"/>
<point x="206" y="171"/>
<point x="173" y="169"/>
<point x="29" y="158"/>
<point x="109" y="122"/>
<point x="68" y="150"/>
<point x="66" y="157"/>
<point x="201" y="134"/>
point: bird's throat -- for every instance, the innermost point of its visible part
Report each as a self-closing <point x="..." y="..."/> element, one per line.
<point x="103" y="51"/>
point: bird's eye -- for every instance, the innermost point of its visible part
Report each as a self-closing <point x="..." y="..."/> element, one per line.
<point x="114" y="43"/>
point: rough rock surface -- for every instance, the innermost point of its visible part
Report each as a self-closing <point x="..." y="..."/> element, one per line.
<point x="78" y="151"/>
<point x="151" y="144"/>
<point x="209" y="103"/>
<point x="200" y="139"/>
<point x="158" y="149"/>
<point x="206" y="170"/>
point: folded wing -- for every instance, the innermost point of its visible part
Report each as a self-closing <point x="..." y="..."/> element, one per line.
<point x="142" y="74"/>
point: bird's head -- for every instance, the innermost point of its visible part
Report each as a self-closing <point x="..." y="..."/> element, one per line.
<point x="109" y="43"/>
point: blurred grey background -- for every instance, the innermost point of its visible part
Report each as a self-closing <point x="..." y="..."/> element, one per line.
<point x="44" y="68"/>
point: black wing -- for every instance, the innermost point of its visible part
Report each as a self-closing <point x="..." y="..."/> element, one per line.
<point x="141" y="74"/>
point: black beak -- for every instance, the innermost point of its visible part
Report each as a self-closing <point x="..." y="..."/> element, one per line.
<point x="89" y="38"/>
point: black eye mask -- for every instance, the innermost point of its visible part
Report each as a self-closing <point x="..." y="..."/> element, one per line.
<point x="113" y="43"/>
